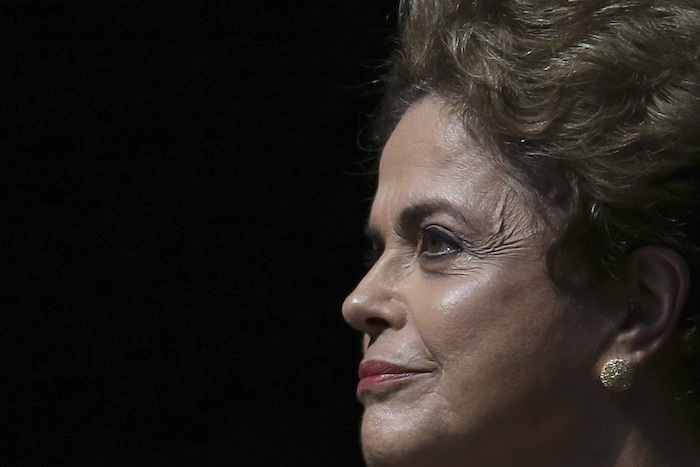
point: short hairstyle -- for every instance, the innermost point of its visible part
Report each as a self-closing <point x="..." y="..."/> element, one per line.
<point x="594" y="105"/>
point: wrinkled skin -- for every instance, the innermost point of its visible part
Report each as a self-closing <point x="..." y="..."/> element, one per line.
<point x="505" y="364"/>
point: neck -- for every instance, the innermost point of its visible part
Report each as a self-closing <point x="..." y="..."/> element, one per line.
<point x="633" y="429"/>
<point x="657" y="435"/>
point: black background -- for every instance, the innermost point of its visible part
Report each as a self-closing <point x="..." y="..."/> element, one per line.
<point x="182" y="220"/>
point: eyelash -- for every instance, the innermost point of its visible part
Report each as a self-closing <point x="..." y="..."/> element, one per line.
<point x="447" y="240"/>
<point x="430" y="232"/>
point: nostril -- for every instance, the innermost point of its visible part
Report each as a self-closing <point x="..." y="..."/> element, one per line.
<point x="374" y="321"/>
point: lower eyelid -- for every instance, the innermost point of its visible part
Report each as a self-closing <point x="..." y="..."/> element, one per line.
<point x="430" y="255"/>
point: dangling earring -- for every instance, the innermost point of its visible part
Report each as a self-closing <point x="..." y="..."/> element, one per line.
<point x="617" y="375"/>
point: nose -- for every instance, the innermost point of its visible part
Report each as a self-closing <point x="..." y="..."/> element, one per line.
<point x="375" y="305"/>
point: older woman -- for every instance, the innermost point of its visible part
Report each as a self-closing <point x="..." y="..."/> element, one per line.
<point x="536" y="230"/>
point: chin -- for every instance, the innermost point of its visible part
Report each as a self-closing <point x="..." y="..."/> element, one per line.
<point x="385" y="442"/>
<point x="388" y="454"/>
<point x="403" y="442"/>
<point x="393" y="455"/>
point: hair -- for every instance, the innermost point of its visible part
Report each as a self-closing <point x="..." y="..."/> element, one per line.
<point x="594" y="105"/>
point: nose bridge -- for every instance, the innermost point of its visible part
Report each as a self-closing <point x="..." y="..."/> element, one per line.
<point x="377" y="302"/>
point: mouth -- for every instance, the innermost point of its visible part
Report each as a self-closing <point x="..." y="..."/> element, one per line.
<point x="379" y="375"/>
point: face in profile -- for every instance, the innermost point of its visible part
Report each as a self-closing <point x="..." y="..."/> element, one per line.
<point x="470" y="353"/>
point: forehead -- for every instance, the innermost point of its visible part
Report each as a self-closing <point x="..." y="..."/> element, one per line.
<point x="429" y="157"/>
<point x="430" y="136"/>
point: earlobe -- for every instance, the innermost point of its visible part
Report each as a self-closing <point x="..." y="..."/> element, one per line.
<point x="657" y="280"/>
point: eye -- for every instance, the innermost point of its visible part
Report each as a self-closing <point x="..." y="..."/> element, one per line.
<point x="438" y="242"/>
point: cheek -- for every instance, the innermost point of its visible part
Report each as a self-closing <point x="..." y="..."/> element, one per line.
<point x="508" y="350"/>
<point x="448" y="320"/>
<point x="474" y="326"/>
<point x="453" y="315"/>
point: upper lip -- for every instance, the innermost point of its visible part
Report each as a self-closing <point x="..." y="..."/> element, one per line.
<point x="380" y="367"/>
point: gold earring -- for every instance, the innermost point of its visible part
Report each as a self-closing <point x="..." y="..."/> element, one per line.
<point x="617" y="375"/>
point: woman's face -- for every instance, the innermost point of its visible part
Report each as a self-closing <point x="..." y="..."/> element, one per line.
<point x="470" y="355"/>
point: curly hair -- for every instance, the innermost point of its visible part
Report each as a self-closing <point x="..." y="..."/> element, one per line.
<point x="594" y="105"/>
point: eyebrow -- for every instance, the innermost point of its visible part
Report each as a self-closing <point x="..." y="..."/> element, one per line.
<point x="411" y="217"/>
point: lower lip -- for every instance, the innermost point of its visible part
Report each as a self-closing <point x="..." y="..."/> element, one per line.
<point x="383" y="381"/>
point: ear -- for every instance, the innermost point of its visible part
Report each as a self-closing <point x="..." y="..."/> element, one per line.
<point x="657" y="281"/>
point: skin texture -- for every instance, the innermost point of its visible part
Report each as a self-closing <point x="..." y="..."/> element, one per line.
<point x="507" y="365"/>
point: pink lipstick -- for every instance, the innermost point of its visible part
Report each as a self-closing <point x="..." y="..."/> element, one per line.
<point x="374" y="374"/>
